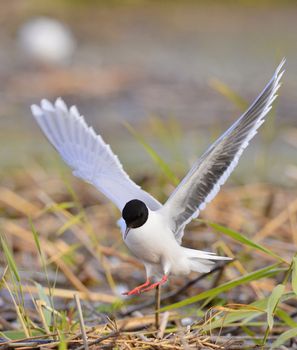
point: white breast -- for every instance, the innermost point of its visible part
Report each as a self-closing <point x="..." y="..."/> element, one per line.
<point x="149" y="241"/>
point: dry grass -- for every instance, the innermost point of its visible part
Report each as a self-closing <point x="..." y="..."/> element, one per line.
<point x="78" y="250"/>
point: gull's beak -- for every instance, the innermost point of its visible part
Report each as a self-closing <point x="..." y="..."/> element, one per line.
<point x="126" y="232"/>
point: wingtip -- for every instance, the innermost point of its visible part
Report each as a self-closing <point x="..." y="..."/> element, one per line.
<point x="276" y="79"/>
<point x="47" y="105"/>
<point x="60" y="104"/>
<point x="279" y="70"/>
<point x="73" y="110"/>
<point x="36" y="110"/>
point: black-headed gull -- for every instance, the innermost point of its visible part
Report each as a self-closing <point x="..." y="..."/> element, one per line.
<point x="152" y="231"/>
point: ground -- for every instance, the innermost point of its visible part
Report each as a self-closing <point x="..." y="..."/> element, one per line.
<point x="59" y="233"/>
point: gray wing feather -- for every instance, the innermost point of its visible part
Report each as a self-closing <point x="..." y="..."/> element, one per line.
<point x="87" y="154"/>
<point x="210" y="172"/>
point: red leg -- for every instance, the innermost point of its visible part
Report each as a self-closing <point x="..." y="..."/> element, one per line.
<point x="137" y="290"/>
<point x="154" y="285"/>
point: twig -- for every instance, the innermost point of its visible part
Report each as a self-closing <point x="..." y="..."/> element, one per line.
<point x="99" y="340"/>
<point x="39" y="305"/>
<point x="217" y="278"/>
<point x="81" y="322"/>
<point x="157" y="306"/>
<point x="6" y="344"/>
<point x="68" y="294"/>
<point x="163" y="325"/>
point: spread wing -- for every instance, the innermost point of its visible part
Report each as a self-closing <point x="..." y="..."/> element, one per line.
<point x="87" y="154"/>
<point x="210" y="172"/>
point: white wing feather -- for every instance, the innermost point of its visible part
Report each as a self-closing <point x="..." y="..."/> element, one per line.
<point x="210" y="172"/>
<point x="87" y="154"/>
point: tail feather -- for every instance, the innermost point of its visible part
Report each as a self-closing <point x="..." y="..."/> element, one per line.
<point x="200" y="254"/>
<point x="201" y="261"/>
<point x="199" y="265"/>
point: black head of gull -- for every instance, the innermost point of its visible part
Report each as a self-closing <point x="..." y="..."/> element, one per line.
<point x="135" y="214"/>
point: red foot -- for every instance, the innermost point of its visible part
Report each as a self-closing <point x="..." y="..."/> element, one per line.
<point x="154" y="285"/>
<point x="137" y="290"/>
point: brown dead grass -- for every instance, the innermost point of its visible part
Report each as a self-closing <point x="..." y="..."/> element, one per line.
<point x="85" y="255"/>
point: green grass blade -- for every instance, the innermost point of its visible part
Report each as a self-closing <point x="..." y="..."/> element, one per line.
<point x="294" y="275"/>
<point x="291" y="333"/>
<point x="75" y="219"/>
<point x="286" y="318"/>
<point x="255" y="275"/>
<point x="62" y="343"/>
<point x="244" y="315"/>
<point x="43" y="296"/>
<point x="20" y="310"/>
<point x="273" y="301"/>
<point x="60" y="206"/>
<point x="168" y="132"/>
<point x="229" y="93"/>
<point x="49" y="301"/>
<point x="36" y="237"/>
<point x="19" y="334"/>
<point x="241" y="239"/>
<point x="3" y="335"/>
<point x="287" y="296"/>
<point x="154" y="155"/>
<point x="10" y="260"/>
<point x="248" y="313"/>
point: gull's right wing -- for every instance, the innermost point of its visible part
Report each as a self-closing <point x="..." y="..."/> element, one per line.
<point x="211" y="170"/>
<point x="87" y="154"/>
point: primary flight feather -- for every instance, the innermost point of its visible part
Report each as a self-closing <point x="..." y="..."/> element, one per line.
<point x="152" y="231"/>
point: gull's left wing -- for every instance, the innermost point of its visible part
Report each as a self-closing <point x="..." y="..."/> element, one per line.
<point x="203" y="181"/>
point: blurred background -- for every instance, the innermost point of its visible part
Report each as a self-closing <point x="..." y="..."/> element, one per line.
<point x="160" y="81"/>
<point x="179" y="72"/>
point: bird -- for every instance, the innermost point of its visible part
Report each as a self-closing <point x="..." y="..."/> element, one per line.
<point x="153" y="231"/>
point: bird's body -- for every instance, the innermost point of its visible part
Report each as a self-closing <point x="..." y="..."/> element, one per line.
<point x="156" y="246"/>
<point x="153" y="232"/>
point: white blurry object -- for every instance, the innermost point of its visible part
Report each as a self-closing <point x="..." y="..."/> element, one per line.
<point x="47" y="41"/>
